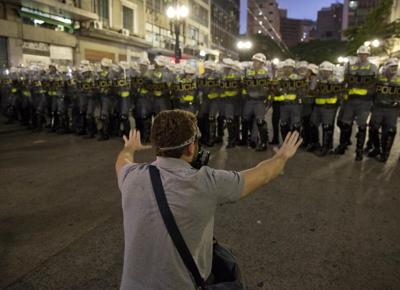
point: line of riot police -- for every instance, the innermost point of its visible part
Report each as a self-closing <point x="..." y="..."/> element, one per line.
<point x="103" y="99"/>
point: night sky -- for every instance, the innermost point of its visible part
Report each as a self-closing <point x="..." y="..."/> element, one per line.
<point x="301" y="9"/>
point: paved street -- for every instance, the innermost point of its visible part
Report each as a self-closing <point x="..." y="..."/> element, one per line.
<point x="325" y="224"/>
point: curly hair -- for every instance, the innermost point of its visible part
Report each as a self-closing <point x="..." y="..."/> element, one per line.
<point x="172" y="128"/>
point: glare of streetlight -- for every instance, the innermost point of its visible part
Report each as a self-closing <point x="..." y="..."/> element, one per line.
<point x="183" y="11"/>
<point x="171" y="13"/>
<point x="177" y="12"/>
<point x="376" y="43"/>
<point x="202" y="53"/>
<point x="345" y="59"/>
<point x="340" y="59"/>
<point x="244" y="44"/>
<point x="367" y="43"/>
<point x="275" y="61"/>
<point x="259" y="32"/>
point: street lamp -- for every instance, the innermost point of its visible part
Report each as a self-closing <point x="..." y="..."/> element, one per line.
<point x="275" y="61"/>
<point x="376" y="43"/>
<point x="177" y="14"/>
<point x="244" y="44"/>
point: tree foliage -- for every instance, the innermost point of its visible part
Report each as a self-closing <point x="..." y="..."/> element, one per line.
<point x="377" y="25"/>
<point x="266" y="45"/>
<point x="317" y="51"/>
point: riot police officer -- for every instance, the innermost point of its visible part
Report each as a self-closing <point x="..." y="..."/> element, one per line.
<point x="291" y="89"/>
<point x="38" y="97"/>
<point x="210" y="88"/>
<point x="231" y="90"/>
<point x="87" y="100"/>
<point x="161" y="80"/>
<point x="122" y="87"/>
<point x="104" y="85"/>
<point x="360" y="78"/>
<point x="385" y="111"/>
<point x="185" y="91"/>
<point x="256" y="82"/>
<point x="142" y="99"/>
<point x="327" y="92"/>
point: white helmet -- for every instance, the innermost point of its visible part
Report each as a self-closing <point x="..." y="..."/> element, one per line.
<point x="135" y="66"/>
<point x="302" y="64"/>
<point x="85" y="62"/>
<point x="160" y="60"/>
<point x="85" y="68"/>
<point x="228" y="62"/>
<point x="327" y="66"/>
<point x="289" y="62"/>
<point x="144" y="61"/>
<point x="189" y="69"/>
<point x="209" y="64"/>
<point x="391" y="62"/>
<point x="124" y="65"/>
<point x="63" y="68"/>
<point x="363" y="49"/>
<point x="106" y="62"/>
<point x="237" y="65"/>
<point x="313" y="68"/>
<point x="259" y="57"/>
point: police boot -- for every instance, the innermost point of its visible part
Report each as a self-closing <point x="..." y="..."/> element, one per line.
<point x="126" y="125"/>
<point x="387" y="143"/>
<point x="313" y="139"/>
<point x="64" y="125"/>
<point x="306" y="133"/>
<point x="345" y="132"/>
<point x="91" y="127"/>
<point x="245" y="133"/>
<point x="54" y="122"/>
<point x="105" y="130"/>
<point x="263" y="131"/>
<point x="236" y="121"/>
<point x="205" y="135"/>
<point x="361" y="136"/>
<point x="34" y="124"/>
<point x="284" y="131"/>
<point x="81" y="124"/>
<point x="327" y="140"/>
<point x="146" y="130"/>
<point x="275" y="123"/>
<point x="212" y="127"/>
<point x="374" y="150"/>
<point x="220" y="130"/>
<point x="231" y="133"/>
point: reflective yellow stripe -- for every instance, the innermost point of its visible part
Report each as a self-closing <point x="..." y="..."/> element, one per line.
<point x="361" y="92"/>
<point x="326" y="101"/>
<point x="279" y="98"/>
<point x="289" y="97"/>
<point x="143" y="91"/>
<point x="13" y="90"/>
<point x="187" y="98"/>
<point x="52" y="93"/>
<point x="26" y="93"/>
<point x="158" y="93"/>
<point x="124" y="94"/>
<point x="212" y="96"/>
<point x="230" y="93"/>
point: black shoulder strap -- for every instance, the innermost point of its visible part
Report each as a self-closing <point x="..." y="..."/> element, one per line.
<point x="172" y="227"/>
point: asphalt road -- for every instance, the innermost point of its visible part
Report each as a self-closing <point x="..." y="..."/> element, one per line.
<point x="326" y="223"/>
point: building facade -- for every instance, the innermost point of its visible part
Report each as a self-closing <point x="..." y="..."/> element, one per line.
<point x="295" y="31"/>
<point x="225" y="27"/>
<point x="355" y="12"/>
<point x="263" y="18"/>
<point x="329" y="22"/>
<point x="66" y="32"/>
<point x="195" y="36"/>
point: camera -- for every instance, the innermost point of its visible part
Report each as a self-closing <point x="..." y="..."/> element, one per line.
<point x="201" y="159"/>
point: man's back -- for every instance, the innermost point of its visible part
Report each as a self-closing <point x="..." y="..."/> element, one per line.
<point x="151" y="260"/>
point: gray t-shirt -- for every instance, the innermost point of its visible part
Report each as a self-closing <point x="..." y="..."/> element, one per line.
<point x="151" y="261"/>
